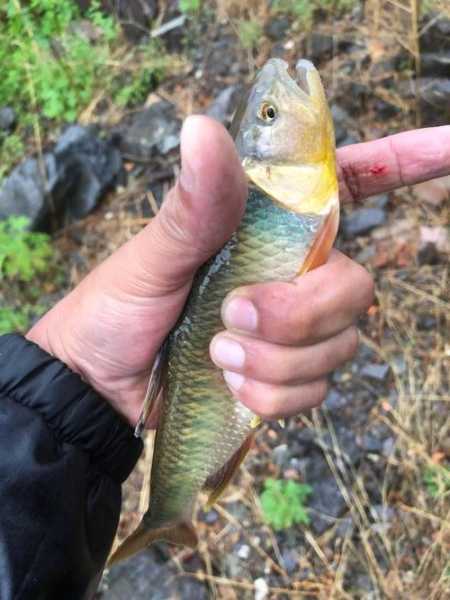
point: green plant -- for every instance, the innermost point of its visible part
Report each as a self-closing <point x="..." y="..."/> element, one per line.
<point x="23" y="254"/>
<point x="249" y="33"/>
<point x="13" y="320"/>
<point x="154" y="63"/>
<point x="283" y="502"/>
<point x="11" y="149"/>
<point x="190" y="6"/>
<point x="46" y="66"/>
<point x="437" y="481"/>
<point x="300" y="9"/>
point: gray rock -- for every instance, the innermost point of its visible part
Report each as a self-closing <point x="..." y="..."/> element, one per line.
<point x="7" y="118"/>
<point x="67" y="182"/>
<point x="388" y="446"/>
<point x="326" y="503"/>
<point x="153" y="130"/>
<point x="362" y="220"/>
<point x="341" y="120"/>
<point x="280" y="455"/>
<point x="426" y="322"/>
<point x="379" y="372"/>
<point x="435" y="64"/>
<point x="147" y="576"/>
<point x="335" y="401"/>
<point x="223" y="106"/>
<point x="379" y="201"/>
<point x="346" y="439"/>
<point x="371" y="443"/>
<point x="290" y="560"/>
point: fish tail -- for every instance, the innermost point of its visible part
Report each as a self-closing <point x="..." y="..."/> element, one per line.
<point x="180" y="533"/>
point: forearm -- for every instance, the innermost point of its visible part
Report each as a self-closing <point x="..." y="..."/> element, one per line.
<point x="63" y="456"/>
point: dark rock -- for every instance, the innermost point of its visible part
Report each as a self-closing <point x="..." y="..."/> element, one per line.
<point x="376" y="371"/>
<point x="385" y="110"/>
<point x="335" y="401"/>
<point x="153" y="130"/>
<point x="277" y="28"/>
<point x="326" y="501"/>
<point x="429" y="255"/>
<point x="67" y="182"/>
<point x="435" y="64"/>
<point x="434" y="93"/>
<point x="362" y="220"/>
<point x="7" y="119"/>
<point x="436" y="33"/>
<point x="426" y="322"/>
<point x="147" y="576"/>
<point x="320" y="47"/>
<point x="347" y="444"/>
<point x="224" y="105"/>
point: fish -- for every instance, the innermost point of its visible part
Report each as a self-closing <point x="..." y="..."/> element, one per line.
<point x="283" y="132"/>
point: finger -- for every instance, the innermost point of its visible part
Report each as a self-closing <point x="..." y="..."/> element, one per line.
<point x="277" y="364"/>
<point x="275" y="401"/>
<point x="392" y="162"/>
<point x="314" y="307"/>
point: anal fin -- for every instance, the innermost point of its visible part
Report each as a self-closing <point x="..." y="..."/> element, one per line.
<point x="217" y="483"/>
<point x="180" y="533"/>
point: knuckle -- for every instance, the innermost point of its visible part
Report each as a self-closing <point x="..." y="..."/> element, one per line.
<point x="366" y="285"/>
<point x="353" y="341"/>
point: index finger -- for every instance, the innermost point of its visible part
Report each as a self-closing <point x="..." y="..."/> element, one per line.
<point x="392" y="162"/>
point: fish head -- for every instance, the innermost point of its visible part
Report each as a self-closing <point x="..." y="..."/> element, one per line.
<point x="284" y="135"/>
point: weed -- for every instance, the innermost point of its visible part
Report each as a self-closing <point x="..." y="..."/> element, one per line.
<point x="190" y="6"/>
<point x="283" y="503"/>
<point x="437" y="481"/>
<point x="23" y="254"/>
<point x="249" y="33"/>
<point x="304" y="9"/>
<point x="46" y="67"/>
<point x="154" y="64"/>
<point x="11" y="149"/>
<point x="13" y="320"/>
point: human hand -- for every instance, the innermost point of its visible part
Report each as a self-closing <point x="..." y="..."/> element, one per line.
<point x="110" y="327"/>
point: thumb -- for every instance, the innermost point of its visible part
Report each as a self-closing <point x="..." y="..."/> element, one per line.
<point x="199" y="214"/>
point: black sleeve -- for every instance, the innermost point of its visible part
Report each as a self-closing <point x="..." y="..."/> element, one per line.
<point x="64" y="453"/>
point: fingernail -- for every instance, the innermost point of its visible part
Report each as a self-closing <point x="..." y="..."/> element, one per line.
<point x="187" y="178"/>
<point x="233" y="380"/>
<point x="240" y="313"/>
<point x="227" y="353"/>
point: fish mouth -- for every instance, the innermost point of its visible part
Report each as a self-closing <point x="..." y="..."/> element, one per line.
<point x="303" y="69"/>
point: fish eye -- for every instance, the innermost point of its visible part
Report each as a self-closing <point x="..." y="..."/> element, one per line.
<point x="267" y="112"/>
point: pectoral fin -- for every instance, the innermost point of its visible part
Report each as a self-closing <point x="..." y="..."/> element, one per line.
<point x="182" y="534"/>
<point x="217" y="483"/>
<point x="320" y="250"/>
<point x="155" y="384"/>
